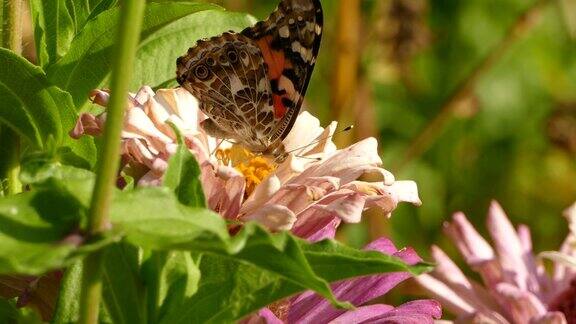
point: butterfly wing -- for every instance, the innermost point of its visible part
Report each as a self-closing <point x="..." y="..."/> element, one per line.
<point x="289" y="41"/>
<point x="251" y="85"/>
<point x="228" y="75"/>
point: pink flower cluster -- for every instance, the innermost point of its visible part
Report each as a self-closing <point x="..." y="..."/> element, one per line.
<point x="516" y="286"/>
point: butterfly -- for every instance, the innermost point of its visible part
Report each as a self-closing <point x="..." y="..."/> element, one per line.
<point x="251" y="84"/>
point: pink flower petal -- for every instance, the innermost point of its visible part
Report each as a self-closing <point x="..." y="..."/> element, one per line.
<point x="264" y="316"/>
<point x="296" y="139"/>
<point x="296" y="196"/>
<point x="415" y="312"/>
<point x="550" y="318"/>
<point x="181" y="104"/>
<point x="539" y="282"/>
<point x="87" y="124"/>
<point x="100" y="97"/>
<point x="468" y="241"/>
<point x="448" y="272"/>
<point x="224" y="189"/>
<point x="274" y="217"/>
<point x="383" y="196"/>
<point x="443" y="293"/>
<point x="139" y="124"/>
<point x="521" y="305"/>
<point x="316" y="225"/>
<point x="347" y="164"/>
<point x="348" y="208"/>
<point x="509" y="248"/>
<point x="362" y="314"/>
<point x="476" y="251"/>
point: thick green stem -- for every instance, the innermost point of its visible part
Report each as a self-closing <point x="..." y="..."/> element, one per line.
<point x="12" y="40"/>
<point x="12" y="25"/>
<point x="128" y="37"/>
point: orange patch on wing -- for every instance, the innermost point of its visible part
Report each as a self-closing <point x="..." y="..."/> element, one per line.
<point x="275" y="59"/>
<point x="279" y="108"/>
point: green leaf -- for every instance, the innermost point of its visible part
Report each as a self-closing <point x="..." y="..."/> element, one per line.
<point x="28" y="104"/>
<point x="230" y="290"/>
<point x="154" y="219"/>
<point x="38" y="111"/>
<point x="68" y="307"/>
<point x="84" y="10"/>
<point x="123" y="292"/>
<point x="54" y="29"/>
<point x="87" y="63"/>
<point x="36" y="224"/>
<point x="170" y="277"/>
<point x="8" y="311"/>
<point x="44" y="225"/>
<point x="156" y="58"/>
<point x="183" y="176"/>
<point x="99" y="6"/>
<point x="47" y="175"/>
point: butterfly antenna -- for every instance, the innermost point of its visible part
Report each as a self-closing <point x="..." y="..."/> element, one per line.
<point x="216" y="148"/>
<point x="347" y="129"/>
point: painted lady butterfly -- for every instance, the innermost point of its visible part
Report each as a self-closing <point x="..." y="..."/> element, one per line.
<point x="252" y="84"/>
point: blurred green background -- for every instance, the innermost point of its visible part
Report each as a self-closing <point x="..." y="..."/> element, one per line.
<point x="475" y="100"/>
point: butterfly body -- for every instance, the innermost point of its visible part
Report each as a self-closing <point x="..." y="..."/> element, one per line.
<point x="251" y="85"/>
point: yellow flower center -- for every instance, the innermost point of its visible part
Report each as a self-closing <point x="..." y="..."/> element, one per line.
<point x="255" y="168"/>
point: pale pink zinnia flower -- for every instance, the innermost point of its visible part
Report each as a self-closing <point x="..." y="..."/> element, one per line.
<point x="315" y="188"/>
<point x="516" y="286"/>
<point x="310" y="193"/>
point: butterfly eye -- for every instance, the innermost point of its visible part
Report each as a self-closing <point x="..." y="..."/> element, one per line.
<point x="201" y="72"/>
<point x="232" y="57"/>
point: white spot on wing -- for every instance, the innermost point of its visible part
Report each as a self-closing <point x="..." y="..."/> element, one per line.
<point x="284" y="31"/>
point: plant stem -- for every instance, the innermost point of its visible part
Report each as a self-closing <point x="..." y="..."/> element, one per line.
<point x="465" y="90"/>
<point x="12" y="40"/>
<point x="131" y="15"/>
<point x="12" y="26"/>
<point x="346" y="66"/>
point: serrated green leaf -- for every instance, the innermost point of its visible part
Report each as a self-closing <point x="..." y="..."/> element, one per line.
<point x="44" y="224"/>
<point x="183" y="176"/>
<point x="33" y="224"/>
<point x="123" y="292"/>
<point x="28" y="103"/>
<point x="67" y="309"/>
<point x="54" y="29"/>
<point x="82" y="11"/>
<point x="87" y="63"/>
<point x="99" y="6"/>
<point x="37" y="110"/>
<point x="45" y="175"/>
<point x="153" y="218"/>
<point x="8" y="311"/>
<point x="230" y="290"/>
<point x="156" y="57"/>
<point x="170" y="277"/>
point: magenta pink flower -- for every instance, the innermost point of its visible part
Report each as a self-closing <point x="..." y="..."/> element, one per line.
<point x="311" y="308"/>
<point x="516" y="287"/>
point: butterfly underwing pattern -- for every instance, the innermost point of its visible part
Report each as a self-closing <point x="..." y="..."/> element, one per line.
<point x="251" y="84"/>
